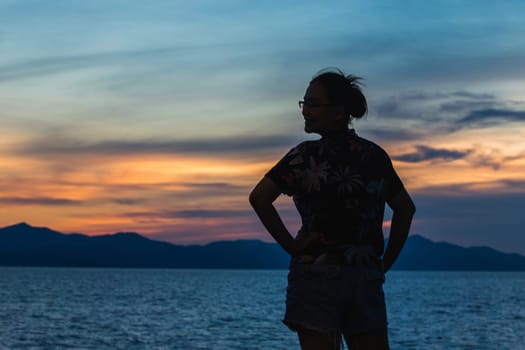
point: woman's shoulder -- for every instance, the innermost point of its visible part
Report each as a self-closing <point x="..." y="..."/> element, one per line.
<point x="371" y="148"/>
<point x="306" y="146"/>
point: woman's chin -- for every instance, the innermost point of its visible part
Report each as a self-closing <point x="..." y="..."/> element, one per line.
<point x="308" y="128"/>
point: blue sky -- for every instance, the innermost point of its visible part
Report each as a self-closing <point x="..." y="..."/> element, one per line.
<point x="158" y="117"/>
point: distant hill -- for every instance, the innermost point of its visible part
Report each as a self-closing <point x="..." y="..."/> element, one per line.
<point x="420" y="253"/>
<point x="25" y="245"/>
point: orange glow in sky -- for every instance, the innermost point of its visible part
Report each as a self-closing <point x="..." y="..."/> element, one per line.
<point x="161" y="124"/>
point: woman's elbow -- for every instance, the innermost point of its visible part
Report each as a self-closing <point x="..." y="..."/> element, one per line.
<point x="407" y="209"/>
<point x="253" y="198"/>
<point x="411" y="208"/>
<point x="402" y="204"/>
<point x="257" y="198"/>
<point x="264" y="193"/>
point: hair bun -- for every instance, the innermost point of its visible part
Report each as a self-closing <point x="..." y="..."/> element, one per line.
<point x="343" y="89"/>
<point x="358" y="105"/>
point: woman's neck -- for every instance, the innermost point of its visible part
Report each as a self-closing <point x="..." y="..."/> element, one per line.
<point x="328" y="134"/>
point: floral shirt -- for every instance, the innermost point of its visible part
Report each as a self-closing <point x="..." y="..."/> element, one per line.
<point x="339" y="185"/>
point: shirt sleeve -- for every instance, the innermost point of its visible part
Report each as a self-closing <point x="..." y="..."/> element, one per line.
<point x="395" y="185"/>
<point x="285" y="174"/>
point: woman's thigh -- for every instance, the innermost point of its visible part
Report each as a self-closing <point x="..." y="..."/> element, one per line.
<point x="315" y="340"/>
<point x="373" y="340"/>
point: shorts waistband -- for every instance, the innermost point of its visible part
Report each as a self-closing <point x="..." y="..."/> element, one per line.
<point x="361" y="255"/>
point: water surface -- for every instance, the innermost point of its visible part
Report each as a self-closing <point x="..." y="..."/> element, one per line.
<point x="75" y="308"/>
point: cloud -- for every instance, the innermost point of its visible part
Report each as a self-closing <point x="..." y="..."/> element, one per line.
<point x="201" y="214"/>
<point x="234" y="144"/>
<point x="47" y="201"/>
<point x="59" y="64"/>
<point x="210" y="213"/>
<point x="149" y="63"/>
<point x="210" y="185"/>
<point x="192" y="214"/>
<point x="491" y="116"/>
<point x="496" y="188"/>
<point x="391" y="134"/>
<point x="212" y="189"/>
<point x="477" y="157"/>
<point x="425" y="114"/>
<point x="426" y="95"/>
<point x="433" y="108"/>
<point x="128" y="201"/>
<point x="146" y="56"/>
<point x="425" y="153"/>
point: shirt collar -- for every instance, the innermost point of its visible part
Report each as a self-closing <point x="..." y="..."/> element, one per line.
<point x="340" y="135"/>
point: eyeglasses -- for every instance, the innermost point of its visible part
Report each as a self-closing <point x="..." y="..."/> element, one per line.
<point x="302" y="104"/>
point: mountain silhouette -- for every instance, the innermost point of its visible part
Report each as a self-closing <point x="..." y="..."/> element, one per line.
<point x="25" y="245"/>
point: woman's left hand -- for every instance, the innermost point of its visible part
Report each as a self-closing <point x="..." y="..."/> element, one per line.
<point x="303" y="243"/>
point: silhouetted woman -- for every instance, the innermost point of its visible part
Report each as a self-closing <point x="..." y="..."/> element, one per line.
<point x="340" y="184"/>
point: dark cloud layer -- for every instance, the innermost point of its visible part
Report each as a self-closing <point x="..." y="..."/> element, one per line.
<point x="210" y="213"/>
<point x="390" y="135"/>
<point x="493" y="116"/>
<point x="492" y="158"/>
<point x="425" y="153"/>
<point x="495" y="188"/>
<point x="420" y="116"/>
<point x="38" y="201"/>
<point x="424" y="112"/>
<point x="201" y="214"/>
<point x="208" y="146"/>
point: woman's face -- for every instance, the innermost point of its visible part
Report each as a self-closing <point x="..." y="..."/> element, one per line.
<point x="320" y="115"/>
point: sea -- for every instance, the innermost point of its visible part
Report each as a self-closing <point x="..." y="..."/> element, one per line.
<point x="161" y="309"/>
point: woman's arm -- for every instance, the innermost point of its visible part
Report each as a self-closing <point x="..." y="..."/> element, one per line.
<point x="261" y="199"/>
<point x="404" y="210"/>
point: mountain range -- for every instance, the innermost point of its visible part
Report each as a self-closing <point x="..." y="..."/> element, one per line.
<point x="25" y="245"/>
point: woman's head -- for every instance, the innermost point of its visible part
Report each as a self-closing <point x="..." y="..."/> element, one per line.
<point x="331" y="100"/>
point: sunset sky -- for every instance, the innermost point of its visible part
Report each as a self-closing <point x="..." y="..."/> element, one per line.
<point x="158" y="117"/>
